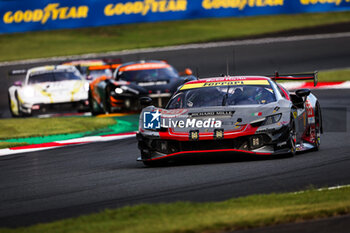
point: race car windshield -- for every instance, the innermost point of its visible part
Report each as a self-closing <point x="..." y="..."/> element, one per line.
<point x="214" y="96"/>
<point x="52" y="77"/>
<point x="149" y="75"/>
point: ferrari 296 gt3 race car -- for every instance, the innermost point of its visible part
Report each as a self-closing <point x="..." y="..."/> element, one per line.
<point x="238" y="114"/>
<point x="156" y="79"/>
<point x="48" y="89"/>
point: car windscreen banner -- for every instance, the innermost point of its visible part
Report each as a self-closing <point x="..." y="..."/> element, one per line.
<point x="22" y="16"/>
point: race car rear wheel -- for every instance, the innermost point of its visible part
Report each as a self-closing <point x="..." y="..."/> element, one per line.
<point x="292" y="137"/>
<point x="317" y="131"/>
<point x="94" y="107"/>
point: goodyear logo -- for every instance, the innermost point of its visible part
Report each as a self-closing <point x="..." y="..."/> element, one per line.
<point x="313" y="2"/>
<point x="144" y="7"/>
<point x="52" y="11"/>
<point x="225" y="83"/>
<point x="240" y="4"/>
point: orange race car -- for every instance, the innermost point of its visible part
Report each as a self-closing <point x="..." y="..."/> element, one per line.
<point x="92" y="69"/>
<point x="130" y="81"/>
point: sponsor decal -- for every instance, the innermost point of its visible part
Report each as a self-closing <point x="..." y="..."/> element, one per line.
<point x="147" y="84"/>
<point x="218" y="134"/>
<point x="257" y="114"/>
<point x="194" y="135"/>
<point x="323" y="2"/>
<point x="153" y="120"/>
<point x="309" y="109"/>
<point x="224" y="83"/>
<point x="21" y="16"/>
<point x="173" y="112"/>
<point x="240" y="4"/>
<point x="311" y="120"/>
<point x="216" y="113"/>
<point x="295" y="114"/>
<point x="191" y="123"/>
<point x="52" y="11"/>
<point x="146" y="66"/>
<point x="145" y="7"/>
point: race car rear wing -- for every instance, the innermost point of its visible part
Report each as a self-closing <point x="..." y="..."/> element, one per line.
<point x="103" y="67"/>
<point x="17" y="72"/>
<point x="295" y="77"/>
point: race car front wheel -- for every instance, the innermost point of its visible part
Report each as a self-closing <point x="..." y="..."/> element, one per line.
<point x="317" y="131"/>
<point x="10" y="106"/>
<point x="292" y="137"/>
<point x="20" y="113"/>
<point x="94" y="107"/>
<point x="108" y="108"/>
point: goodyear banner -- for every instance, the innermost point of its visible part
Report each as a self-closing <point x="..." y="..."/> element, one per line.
<point x="21" y="16"/>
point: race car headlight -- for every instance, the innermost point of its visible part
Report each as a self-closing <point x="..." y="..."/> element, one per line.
<point x="267" y="120"/>
<point x="272" y="119"/>
<point x="119" y="90"/>
<point x="129" y="89"/>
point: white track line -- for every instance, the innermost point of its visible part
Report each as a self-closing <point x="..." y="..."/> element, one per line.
<point x="330" y="85"/>
<point x="328" y="188"/>
<point x="57" y="144"/>
<point x="183" y="47"/>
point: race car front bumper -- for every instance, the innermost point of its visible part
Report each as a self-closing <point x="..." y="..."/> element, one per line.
<point x="131" y="102"/>
<point x="273" y="142"/>
<point x="47" y="108"/>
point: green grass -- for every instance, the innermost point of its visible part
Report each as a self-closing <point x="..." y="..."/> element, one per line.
<point x="12" y="144"/>
<point x="334" y="75"/>
<point x="240" y="213"/>
<point x="31" y="127"/>
<point x="114" y="38"/>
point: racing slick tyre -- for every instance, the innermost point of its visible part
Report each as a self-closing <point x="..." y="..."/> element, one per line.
<point x="11" y="111"/>
<point x="20" y="113"/>
<point x="292" y="137"/>
<point x="107" y="103"/>
<point x="318" y="123"/>
<point x="94" y="107"/>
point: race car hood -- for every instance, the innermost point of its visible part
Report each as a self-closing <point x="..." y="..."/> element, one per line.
<point x="59" y="88"/>
<point x="53" y="90"/>
<point x="158" y="86"/>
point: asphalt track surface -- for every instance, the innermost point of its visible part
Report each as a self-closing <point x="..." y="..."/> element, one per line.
<point x="65" y="182"/>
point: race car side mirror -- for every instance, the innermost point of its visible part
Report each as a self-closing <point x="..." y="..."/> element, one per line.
<point x="145" y="101"/>
<point x="18" y="84"/>
<point x="302" y="92"/>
